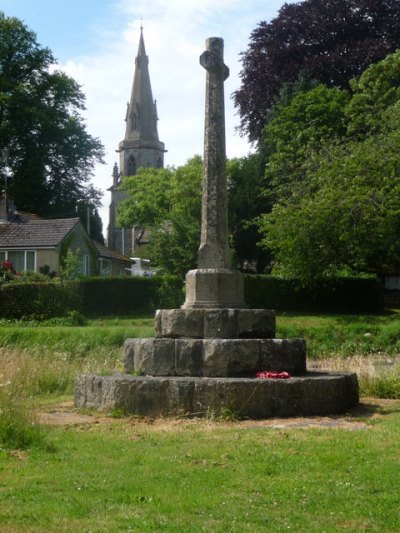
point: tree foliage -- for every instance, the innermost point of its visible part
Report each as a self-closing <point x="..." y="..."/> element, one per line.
<point x="374" y="92"/>
<point x="167" y="202"/>
<point x="149" y="197"/>
<point x="246" y="203"/>
<point x="332" y="40"/>
<point x="346" y="213"/>
<point x="51" y="155"/>
<point x="305" y="123"/>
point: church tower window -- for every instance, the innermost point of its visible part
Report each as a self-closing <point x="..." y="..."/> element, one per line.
<point x="131" y="167"/>
<point x="135" y="122"/>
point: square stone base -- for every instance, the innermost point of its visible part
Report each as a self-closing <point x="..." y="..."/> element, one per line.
<point x="213" y="289"/>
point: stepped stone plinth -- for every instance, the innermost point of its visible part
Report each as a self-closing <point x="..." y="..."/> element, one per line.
<point x="204" y="357"/>
<point x="214" y="343"/>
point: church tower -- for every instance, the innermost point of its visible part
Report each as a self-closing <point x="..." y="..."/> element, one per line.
<point x="141" y="147"/>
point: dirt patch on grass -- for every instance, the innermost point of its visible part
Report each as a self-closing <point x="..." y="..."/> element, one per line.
<point x="66" y="415"/>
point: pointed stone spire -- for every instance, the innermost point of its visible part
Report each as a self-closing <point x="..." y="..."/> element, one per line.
<point x="115" y="175"/>
<point x="141" y="146"/>
<point x="141" y="120"/>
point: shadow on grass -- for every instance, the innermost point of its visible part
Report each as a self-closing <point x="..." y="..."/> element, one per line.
<point x="367" y="408"/>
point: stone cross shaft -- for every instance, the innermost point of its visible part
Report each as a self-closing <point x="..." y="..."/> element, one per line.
<point x="214" y="248"/>
<point x="213" y="285"/>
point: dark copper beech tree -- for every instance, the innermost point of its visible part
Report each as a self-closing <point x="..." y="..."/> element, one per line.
<point x="332" y="41"/>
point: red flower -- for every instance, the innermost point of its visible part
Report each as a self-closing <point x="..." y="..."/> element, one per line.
<point x="273" y="375"/>
<point x="9" y="266"/>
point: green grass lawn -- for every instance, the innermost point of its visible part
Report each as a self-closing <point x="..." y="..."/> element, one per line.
<point x="343" y="335"/>
<point x="128" y="475"/>
<point x="326" y="335"/>
<point x="190" y="475"/>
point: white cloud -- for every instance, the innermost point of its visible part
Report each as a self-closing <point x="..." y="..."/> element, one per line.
<point x="175" y="33"/>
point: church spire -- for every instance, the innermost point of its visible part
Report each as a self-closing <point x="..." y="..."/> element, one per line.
<point x="140" y="147"/>
<point x="141" y="120"/>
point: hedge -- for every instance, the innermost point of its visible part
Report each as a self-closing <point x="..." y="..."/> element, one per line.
<point x="90" y="296"/>
<point x="337" y="295"/>
<point x="124" y="296"/>
<point x="38" y="300"/>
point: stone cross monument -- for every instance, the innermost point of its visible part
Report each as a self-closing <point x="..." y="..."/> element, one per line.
<point x="206" y="356"/>
<point x="214" y="284"/>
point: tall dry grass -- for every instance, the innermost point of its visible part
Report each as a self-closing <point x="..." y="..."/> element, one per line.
<point x="378" y="376"/>
<point x="33" y="372"/>
<point x="29" y="375"/>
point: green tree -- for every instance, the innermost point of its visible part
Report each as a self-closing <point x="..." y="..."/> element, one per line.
<point x="149" y="197"/>
<point x="351" y="216"/>
<point x="51" y="155"/>
<point x="246" y="203"/>
<point x="346" y="214"/>
<point x="374" y="92"/>
<point x="91" y="220"/>
<point x="167" y="202"/>
<point x="332" y="40"/>
<point x="304" y="123"/>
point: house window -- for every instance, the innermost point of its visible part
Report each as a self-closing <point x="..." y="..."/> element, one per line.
<point x="105" y="267"/>
<point x="22" y="260"/>
<point x="30" y="260"/>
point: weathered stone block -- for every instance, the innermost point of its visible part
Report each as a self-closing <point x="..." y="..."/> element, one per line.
<point x="219" y="323"/>
<point x="231" y="357"/>
<point x="188" y="357"/>
<point x="255" y="323"/>
<point x="213" y="357"/>
<point x="175" y="323"/>
<point x="283" y="355"/>
<point x="154" y="357"/>
<point x="128" y="354"/>
<point x="215" y="323"/>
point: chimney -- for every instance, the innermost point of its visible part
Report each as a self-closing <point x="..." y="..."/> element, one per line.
<point x="3" y="209"/>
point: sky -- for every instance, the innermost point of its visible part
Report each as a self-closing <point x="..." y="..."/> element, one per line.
<point x="96" y="41"/>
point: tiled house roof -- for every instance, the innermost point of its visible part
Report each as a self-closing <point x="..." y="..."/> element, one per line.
<point x="107" y="253"/>
<point x="36" y="233"/>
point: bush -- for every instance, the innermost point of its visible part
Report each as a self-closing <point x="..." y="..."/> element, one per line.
<point x="7" y="272"/>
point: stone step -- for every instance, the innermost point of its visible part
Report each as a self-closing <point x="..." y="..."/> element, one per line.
<point x="214" y="357"/>
<point x="215" y="323"/>
<point x="313" y="394"/>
